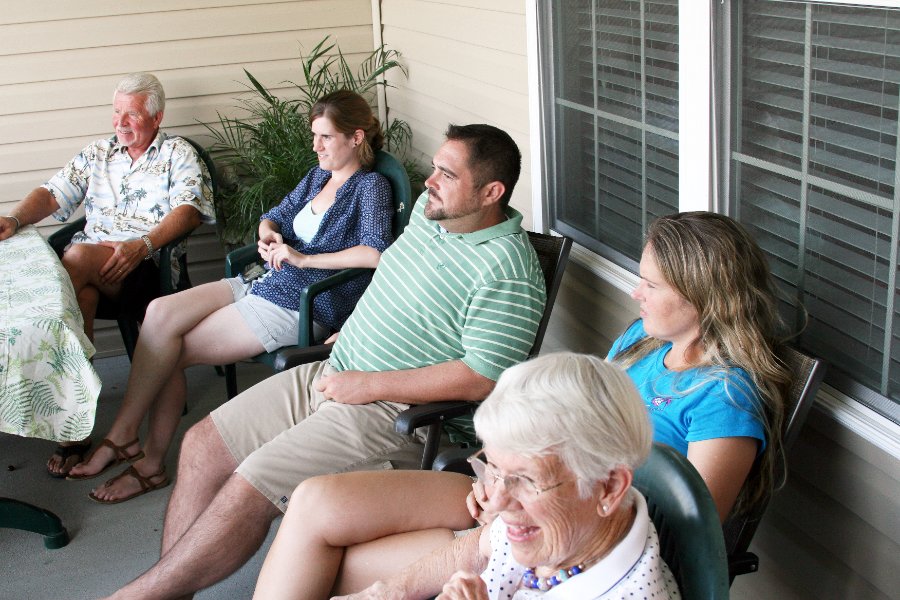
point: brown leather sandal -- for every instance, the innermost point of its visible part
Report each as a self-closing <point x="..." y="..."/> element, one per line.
<point x="146" y="485"/>
<point x="121" y="457"/>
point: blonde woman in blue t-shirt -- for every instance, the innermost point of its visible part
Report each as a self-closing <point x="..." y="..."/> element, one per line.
<point x="702" y="356"/>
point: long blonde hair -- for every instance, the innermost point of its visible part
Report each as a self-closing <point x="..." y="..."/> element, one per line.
<point x="712" y="262"/>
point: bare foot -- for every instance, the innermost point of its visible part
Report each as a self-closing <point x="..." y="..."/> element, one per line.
<point x="137" y="479"/>
<point x="66" y="456"/>
<point x="107" y="454"/>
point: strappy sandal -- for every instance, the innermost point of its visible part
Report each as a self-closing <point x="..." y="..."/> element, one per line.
<point x="67" y="452"/>
<point x="121" y="457"/>
<point x="146" y="485"/>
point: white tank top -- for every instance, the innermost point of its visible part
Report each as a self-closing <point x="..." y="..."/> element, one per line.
<point x="306" y="223"/>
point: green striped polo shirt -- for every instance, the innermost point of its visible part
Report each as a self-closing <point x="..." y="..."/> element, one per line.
<point x="438" y="296"/>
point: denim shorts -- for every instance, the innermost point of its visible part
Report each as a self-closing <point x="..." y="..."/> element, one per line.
<point x="272" y="325"/>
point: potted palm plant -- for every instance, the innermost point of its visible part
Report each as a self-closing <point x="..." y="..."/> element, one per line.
<point x="266" y="151"/>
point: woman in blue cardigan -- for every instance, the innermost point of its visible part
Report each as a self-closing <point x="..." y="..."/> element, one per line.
<point x="339" y="216"/>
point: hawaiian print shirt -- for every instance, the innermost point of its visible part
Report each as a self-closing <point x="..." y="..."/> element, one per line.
<point x="124" y="200"/>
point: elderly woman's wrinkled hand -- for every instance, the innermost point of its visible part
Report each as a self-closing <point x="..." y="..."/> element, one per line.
<point x="464" y="586"/>
<point x="479" y="505"/>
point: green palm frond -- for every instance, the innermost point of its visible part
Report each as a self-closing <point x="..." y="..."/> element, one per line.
<point x="15" y="403"/>
<point x="82" y="394"/>
<point x="66" y="361"/>
<point x="77" y="426"/>
<point x="43" y="400"/>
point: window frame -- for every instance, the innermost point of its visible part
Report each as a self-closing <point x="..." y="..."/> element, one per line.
<point x="698" y="95"/>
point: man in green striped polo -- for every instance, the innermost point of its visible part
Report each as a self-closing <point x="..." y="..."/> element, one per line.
<point x="455" y="301"/>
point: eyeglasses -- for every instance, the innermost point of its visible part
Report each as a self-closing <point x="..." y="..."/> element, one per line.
<point x="519" y="487"/>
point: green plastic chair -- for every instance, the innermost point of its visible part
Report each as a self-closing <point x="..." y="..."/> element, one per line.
<point x="127" y="319"/>
<point x="392" y="169"/>
<point x="686" y="519"/>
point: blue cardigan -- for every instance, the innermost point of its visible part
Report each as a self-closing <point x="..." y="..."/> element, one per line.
<point x="361" y="215"/>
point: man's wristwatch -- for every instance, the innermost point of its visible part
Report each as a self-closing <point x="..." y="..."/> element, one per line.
<point x="16" y="219"/>
<point x="146" y="239"/>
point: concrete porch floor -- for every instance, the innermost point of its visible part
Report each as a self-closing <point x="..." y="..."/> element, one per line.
<point x="110" y="544"/>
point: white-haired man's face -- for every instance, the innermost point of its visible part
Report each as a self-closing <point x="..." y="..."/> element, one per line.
<point x="134" y="126"/>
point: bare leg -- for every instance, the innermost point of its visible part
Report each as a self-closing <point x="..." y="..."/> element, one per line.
<point x="88" y="299"/>
<point x="201" y="547"/>
<point x="83" y="263"/>
<point x="329" y="513"/>
<point x="197" y="326"/>
<point x="80" y="261"/>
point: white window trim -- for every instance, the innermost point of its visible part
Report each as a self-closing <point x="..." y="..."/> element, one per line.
<point x="871" y="3"/>
<point x="538" y="206"/>
<point x="857" y="418"/>
<point x="695" y="150"/>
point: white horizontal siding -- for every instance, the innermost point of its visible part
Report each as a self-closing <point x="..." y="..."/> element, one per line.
<point x="467" y="64"/>
<point x="60" y="61"/>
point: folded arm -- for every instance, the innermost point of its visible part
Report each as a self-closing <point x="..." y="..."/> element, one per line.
<point x="425" y="577"/>
<point x="452" y="380"/>
<point x="358" y="256"/>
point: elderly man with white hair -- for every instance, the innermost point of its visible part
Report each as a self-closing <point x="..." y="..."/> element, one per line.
<point x="141" y="189"/>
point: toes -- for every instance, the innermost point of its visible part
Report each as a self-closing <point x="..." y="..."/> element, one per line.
<point x="60" y="466"/>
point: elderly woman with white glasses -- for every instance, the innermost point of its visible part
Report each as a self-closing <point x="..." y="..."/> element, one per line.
<point x="562" y="436"/>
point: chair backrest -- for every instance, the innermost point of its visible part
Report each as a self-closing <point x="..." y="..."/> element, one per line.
<point x="686" y="519"/>
<point x="207" y="160"/>
<point x="553" y="254"/>
<point x="392" y="169"/>
<point x="806" y="376"/>
<point x="184" y="279"/>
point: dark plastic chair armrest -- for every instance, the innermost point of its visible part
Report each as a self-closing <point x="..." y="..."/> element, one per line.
<point x="240" y="258"/>
<point x="309" y="293"/>
<point x="742" y="563"/>
<point x="62" y="236"/>
<point x="454" y="460"/>
<point x="427" y="414"/>
<point x="288" y="358"/>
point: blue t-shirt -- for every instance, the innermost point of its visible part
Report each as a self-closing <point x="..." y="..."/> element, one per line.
<point x="693" y="405"/>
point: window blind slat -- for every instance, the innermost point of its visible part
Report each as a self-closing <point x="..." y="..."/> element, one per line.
<point x="846" y="244"/>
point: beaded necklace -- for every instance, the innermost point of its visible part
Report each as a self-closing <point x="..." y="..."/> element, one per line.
<point x="530" y="580"/>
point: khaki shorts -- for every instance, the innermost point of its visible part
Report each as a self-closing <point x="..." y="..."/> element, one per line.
<point x="281" y="432"/>
<point x="272" y="325"/>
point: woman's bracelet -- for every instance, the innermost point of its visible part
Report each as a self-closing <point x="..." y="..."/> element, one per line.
<point x="16" y="219"/>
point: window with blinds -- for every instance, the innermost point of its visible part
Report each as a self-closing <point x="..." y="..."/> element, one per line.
<point x="814" y="171"/>
<point x="610" y="75"/>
